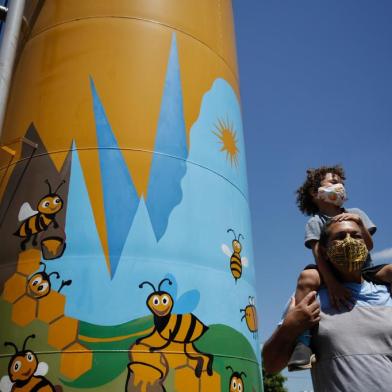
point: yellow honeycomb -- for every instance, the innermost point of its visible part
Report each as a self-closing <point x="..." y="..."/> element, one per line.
<point x="210" y="383"/>
<point x="24" y="311"/>
<point x="51" y="307"/>
<point x="75" y="361"/>
<point x="174" y="355"/>
<point x="14" y="287"/>
<point x="185" y="380"/>
<point x="28" y="261"/>
<point x="148" y="369"/>
<point x="63" y="332"/>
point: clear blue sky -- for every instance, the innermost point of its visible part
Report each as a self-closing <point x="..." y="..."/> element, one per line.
<point x="316" y="86"/>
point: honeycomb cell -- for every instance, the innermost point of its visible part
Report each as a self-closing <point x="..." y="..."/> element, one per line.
<point x="185" y="380"/>
<point x="28" y="261"/>
<point x="210" y="383"/>
<point x="14" y="288"/>
<point x="24" y="311"/>
<point x="175" y="356"/>
<point x="75" y="361"/>
<point x="51" y="307"/>
<point x="140" y="353"/>
<point x="62" y="332"/>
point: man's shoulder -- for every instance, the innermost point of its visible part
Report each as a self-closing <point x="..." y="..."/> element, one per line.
<point x="367" y="294"/>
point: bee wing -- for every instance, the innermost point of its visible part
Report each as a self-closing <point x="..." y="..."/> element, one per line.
<point x="5" y="384"/>
<point x="226" y="250"/>
<point x="187" y="302"/>
<point x="26" y="212"/>
<point x="42" y="369"/>
<point x="244" y="261"/>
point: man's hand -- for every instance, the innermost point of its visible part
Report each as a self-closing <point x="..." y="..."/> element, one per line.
<point x="345" y="216"/>
<point x="304" y="315"/>
<point x="339" y="295"/>
<point x="358" y="220"/>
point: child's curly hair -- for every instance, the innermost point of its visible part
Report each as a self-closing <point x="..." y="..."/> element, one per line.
<point x="311" y="185"/>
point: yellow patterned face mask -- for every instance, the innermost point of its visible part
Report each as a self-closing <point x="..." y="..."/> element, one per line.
<point x="350" y="253"/>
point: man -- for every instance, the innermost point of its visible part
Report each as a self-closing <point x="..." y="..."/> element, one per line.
<point x="353" y="347"/>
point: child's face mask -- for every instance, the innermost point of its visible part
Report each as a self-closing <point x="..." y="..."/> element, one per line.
<point x="349" y="253"/>
<point x="334" y="194"/>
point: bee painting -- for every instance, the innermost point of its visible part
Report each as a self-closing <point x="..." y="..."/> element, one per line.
<point x="25" y="373"/>
<point x="236" y="382"/>
<point x="236" y="261"/>
<point x="250" y="316"/>
<point x="39" y="285"/>
<point x="178" y="328"/>
<point x="35" y="222"/>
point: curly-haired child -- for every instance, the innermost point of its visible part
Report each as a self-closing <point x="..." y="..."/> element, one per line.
<point x="322" y="196"/>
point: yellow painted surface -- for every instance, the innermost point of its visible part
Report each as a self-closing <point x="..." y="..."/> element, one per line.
<point x="153" y="367"/>
<point x="70" y="43"/>
<point x="14" y="288"/>
<point x="75" y="361"/>
<point x="184" y="379"/>
<point x="24" y="311"/>
<point x="28" y="261"/>
<point x="210" y="383"/>
<point x="124" y="46"/>
<point x="51" y="307"/>
<point x="62" y="332"/>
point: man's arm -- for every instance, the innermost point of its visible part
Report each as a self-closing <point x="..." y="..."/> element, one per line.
<point x="300" y="317"/>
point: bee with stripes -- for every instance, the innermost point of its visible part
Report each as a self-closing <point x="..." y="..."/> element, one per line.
<point x="25" y="373"/>
<point x="236" y="261"/>
<point x="35" y="222"/>
<point x="177" y="328"/>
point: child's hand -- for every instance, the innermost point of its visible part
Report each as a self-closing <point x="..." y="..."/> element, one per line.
<point x="340" y="296"/>
<point x="346" y="216"/>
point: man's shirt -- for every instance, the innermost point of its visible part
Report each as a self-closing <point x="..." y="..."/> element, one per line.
<point x="354" y="348"/>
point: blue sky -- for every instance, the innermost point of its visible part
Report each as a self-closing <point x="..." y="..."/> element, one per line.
<point x="316" y="86"/>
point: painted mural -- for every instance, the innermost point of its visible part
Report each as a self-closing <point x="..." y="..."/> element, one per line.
<point x="163" y="298"/>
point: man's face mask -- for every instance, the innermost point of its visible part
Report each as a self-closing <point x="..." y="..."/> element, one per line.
<point x="334" y="194"/>
<point x="349" y="253"/>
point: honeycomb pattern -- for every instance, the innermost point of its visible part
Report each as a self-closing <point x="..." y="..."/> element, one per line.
<point x="51" y="307"/>
<point x="150" y="369"/>
<point x="63" y="331"/>
<point x="28" y="261"/>
<point x="75" y="361"/>
<point x="24" y="311"/>
<point x="185" y="380"/>
<point x="14" y="288"/>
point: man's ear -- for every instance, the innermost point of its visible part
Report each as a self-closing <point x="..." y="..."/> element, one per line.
<point x="323" y="252"/>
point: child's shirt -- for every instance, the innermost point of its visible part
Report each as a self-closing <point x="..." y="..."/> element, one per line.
<point x="316" y="223"/>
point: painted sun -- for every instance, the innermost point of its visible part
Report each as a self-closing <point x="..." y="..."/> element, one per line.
<point x="228" y="138"/>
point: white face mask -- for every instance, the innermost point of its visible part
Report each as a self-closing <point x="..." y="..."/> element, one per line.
<point x="334" y="194"/>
